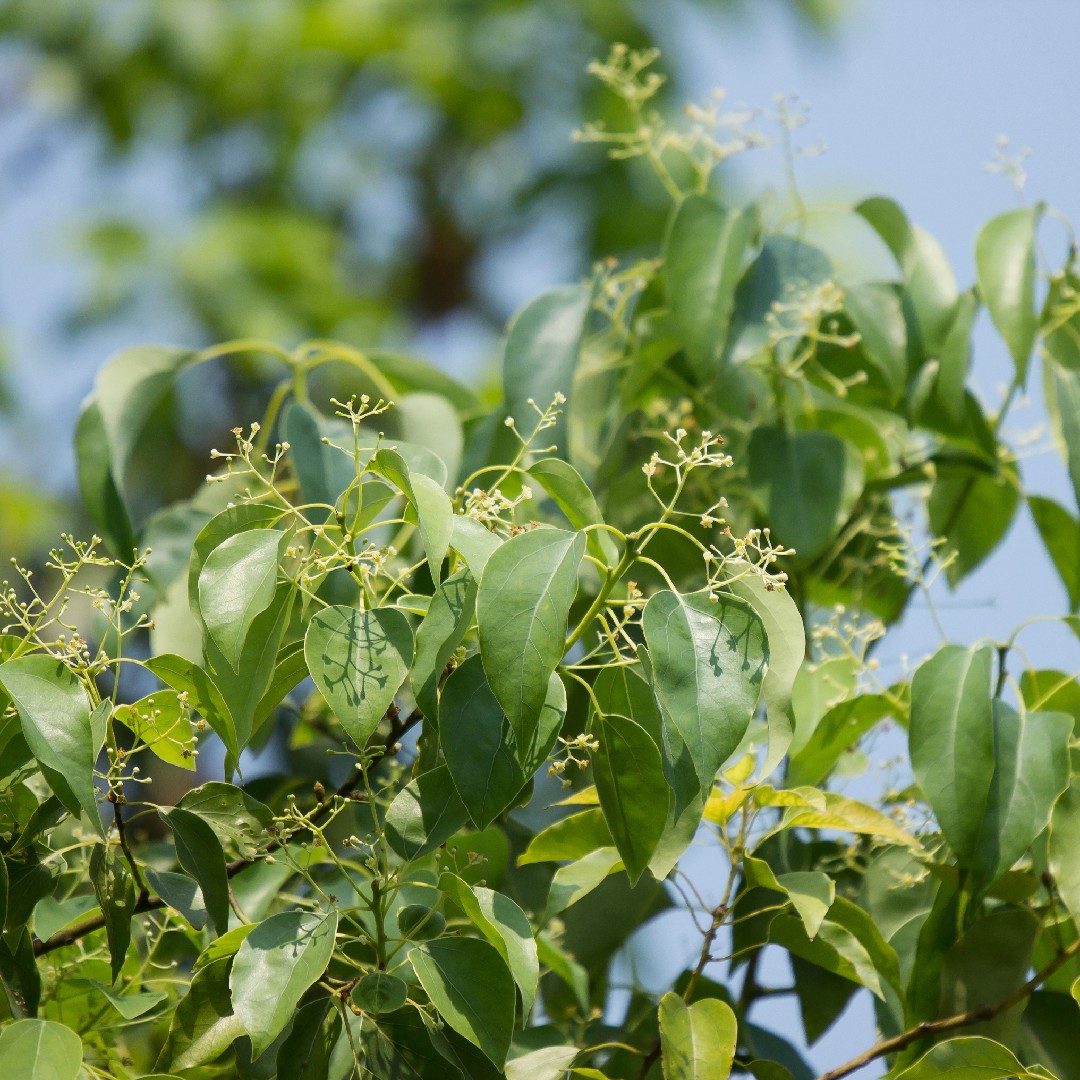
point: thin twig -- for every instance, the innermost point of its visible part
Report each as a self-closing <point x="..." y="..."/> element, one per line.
<point x="145" y="902"/>
<point x="952" y="1023"/>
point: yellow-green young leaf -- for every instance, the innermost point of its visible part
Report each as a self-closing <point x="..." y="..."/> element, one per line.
<point x="54" y="712"/>
<point x="789" y="474"/>
<point x="951" y="742"/>
<point x="787" y="650"/>
<point x="1005" y="265"/>
<point x="703" y="263"/>
<point x="273" y="967"/>
<point x="434" y="511"/>
<point x="570" y="838"/>
<point x="547" y="1063"/>
<point x="204" y="1025"/>
<point x="448" y="618"/>
<point x="811" y="892"/>
<point x="358" y="660"/>
<point x="697" y="1042"/>
<point x="237" y="582"/>
<point x="204" y="697"/>
<point x="424" y="814"/>
<point x="629" y="775"/>
<point x="709" y="659"/>
<point x="1031" y="752"/>
<point x="541" y="356"/>
<point x="115" y="893"/>
<point x="577" y="879"/>
<point x="198" y="851"/>
<point x="164" y="724"/>
<point x="481" y="751"/>
<point x="970" y="1057"/>
<point x="40" y="1050"/>
<point x="506" y="926"/>
<point x="526" y="590"/>
<point x="471" y="987"/>
<point x="842" y="812"/>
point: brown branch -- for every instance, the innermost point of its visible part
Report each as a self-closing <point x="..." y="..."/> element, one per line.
<point x="952" y="1023"/>
<point x="146" y="903"/>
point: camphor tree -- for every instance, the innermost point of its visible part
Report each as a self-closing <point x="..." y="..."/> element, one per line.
<point x="509" y="660"/>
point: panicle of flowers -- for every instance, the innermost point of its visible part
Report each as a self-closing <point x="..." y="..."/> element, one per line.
<point x="753" y="554"/>
<point x="1009" y="164"/>
<point x="918" y="563"/>
<point x="685" y="457"/>
<point x="546" y="420"/>
<point x="247" y="457"/>
<point x="572" y="753"/>
<point x="841" y="632"/>
<point x="493" y="509"/>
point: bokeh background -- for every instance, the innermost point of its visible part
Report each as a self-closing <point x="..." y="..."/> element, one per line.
<point x="401" y="174"/>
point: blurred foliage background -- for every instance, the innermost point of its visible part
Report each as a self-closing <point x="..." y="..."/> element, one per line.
<point x="391" y="173"/>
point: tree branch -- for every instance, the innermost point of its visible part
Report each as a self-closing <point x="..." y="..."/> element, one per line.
<point x="146" y="903"/>
<point x="952" y="1023"/>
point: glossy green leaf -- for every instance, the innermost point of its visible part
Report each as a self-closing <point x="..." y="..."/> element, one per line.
<point x="448" y="618"/>
<point x="434" y="511"/>
<point x="475" y="543"/>
<point x="1005" y="264"/>
<point x="471" y="986"/>
<point x="703" y="263"/>
<point x="951" y="742"/>
<point x="377" y="993"/>
<point x="576" y="502"/>
<point x="572" y="974"/>
<point x="506" y="926"/>
<point x="787" y="649"/>
<point x="129" y="1006"/>
<point x="239" y="821"/>
<point x="807" y="484"/>
<point x="203" y="1025"/>
<point x="629" y="776"/>
<point x="481" y="751"/>
<point x="522" y="608"/>
<point x="359" y="659"/>
<point x="1060" y="533"/>
<point x="569" y="838"/>
<point x="237" y="582"/>
<point x="55" y="715"/>
<point x="290" y="670"/>
<point x="969" y="1057"/>
<point x="324" y="471"/>
<point x="1031" y="752"/>
<point x="697" y="1042"/>
<point x="164" y="724"/>
<point x="424" y="814"/>
<point x="115" y="892"/>
<point x="198" y="851"/>
<point x="180" y="892"/>
<point x="709" y="660"/>
<point x="541" y="356"/>
<point x="40" y="1050"/>
<point x="204" y="698"/>
<point x="273" y="967"/>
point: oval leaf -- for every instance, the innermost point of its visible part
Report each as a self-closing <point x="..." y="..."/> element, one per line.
<point x="40" y="1050"/>
<point x="697" y="1041"/>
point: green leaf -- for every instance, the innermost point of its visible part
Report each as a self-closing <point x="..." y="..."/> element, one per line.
<point x="506" y="926"/>
<point x="697" y="1042"/>
<point x="129" y="1006"/>
<point x="807" y="483"/>
<point x="290" y="670"/>
<point x="839" y="730"/>
<point x="575" y="500"/>
<point x="115" y="892"/>
<point x="204" y="1025"/>
<point x="708" y="659"/>
<point x="432" y="421"/>
<point x="968" y="1058"/>
<point x="481" y="751"/>
<point x="160" y="721"/>
<point x="951" y="742"/>
<point x="359" y="659"/>
<point x="541" y="356"/>
<point x="305" y="1053"/>
<point x="703" y="263"/>
<point x="570" y="838"/>
<point x="876" y="312"/>
<point x="448" y="618"/>
<point x="198" y="851"/>
<point x="237" y="582"/>
<point x="811" y="892"/>
<point x="1031" y="752"/>
<point x="547" y="1063"/>
<point x="40" y="1050"/>
<point x="324" y="471"/>
<point x="471" y="986"/>
<point x="475" y="543"/>
<point x="1061" y="391"/>
<point x="19" y="974"/>
<point x="787" y="649"/>
<point x="629" y="775"/>
<point x="55" y="715"/>
<point x="434" y="511"/>
<point x="1063" y="844"/>
<point x="378" y="993"/>
<point x="97" y="483"/>
<point x="238" y="820"/>
<point x="204" y="698"/>
<point x="572" y="882"/>
<point x="273" y="967"/>
<point x="522" y="608"/>
<point x="1060" y="533"/>
<point x="1005" y="265"/>
<point x="566" y="968"/>
<point x="424" y="814"/>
